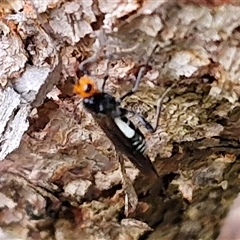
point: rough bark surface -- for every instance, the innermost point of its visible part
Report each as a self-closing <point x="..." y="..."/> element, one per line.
<point x="60" y="178"/>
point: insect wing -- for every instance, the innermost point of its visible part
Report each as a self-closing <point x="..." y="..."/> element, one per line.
<point x="124" y="145"/>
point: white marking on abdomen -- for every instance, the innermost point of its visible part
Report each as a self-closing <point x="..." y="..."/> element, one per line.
<point x="136" y="140"/>
<point x="141" y="146"/>
<point x="124" y="127"/>
<point x="143" y="149"/>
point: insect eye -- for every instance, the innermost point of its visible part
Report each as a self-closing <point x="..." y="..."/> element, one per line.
<point x="88" y="88"/>
<point x="85" y="87"/>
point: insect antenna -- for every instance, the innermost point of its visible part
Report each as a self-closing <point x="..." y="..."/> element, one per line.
<point x="86" y="61"/>
<point x="106" y="75"/>
<point x="146" y="124"/>
<point x="139" y="76"/>
<point x="92" y="59"/>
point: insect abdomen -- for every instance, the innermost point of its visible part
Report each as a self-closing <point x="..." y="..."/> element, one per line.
<point x="139" y="143"/>
<point x="124" y="135"/>
<point x="132" y="133"/>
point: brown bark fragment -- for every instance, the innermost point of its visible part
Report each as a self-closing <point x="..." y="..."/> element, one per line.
<point x="63" y="180"/>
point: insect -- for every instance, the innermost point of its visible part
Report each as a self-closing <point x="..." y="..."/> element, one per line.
<point x="112" y="118"/>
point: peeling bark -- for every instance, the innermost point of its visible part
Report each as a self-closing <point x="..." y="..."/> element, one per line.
<point x="60" y="178"/>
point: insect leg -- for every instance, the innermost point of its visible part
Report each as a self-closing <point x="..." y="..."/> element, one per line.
<point x="159" y="107"/>
<point x="143" y="121"/>
<point x="152" y="128"/>
<point x="131" y="198"/>
<point x="139" y="77"/>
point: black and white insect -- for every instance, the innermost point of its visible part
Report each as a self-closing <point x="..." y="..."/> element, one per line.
<point x="112" y="118"/>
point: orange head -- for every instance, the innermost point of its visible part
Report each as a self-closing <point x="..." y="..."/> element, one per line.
<point x="85" y="87"/>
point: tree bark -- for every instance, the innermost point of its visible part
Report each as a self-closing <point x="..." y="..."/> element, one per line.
<point x="60" y="177"/>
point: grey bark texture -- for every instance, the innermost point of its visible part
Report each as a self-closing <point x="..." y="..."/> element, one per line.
<point x="60" y="177"/>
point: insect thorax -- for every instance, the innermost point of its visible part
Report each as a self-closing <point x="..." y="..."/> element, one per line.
<point x="106" y="104"/>
<point x="102" y="103"/>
